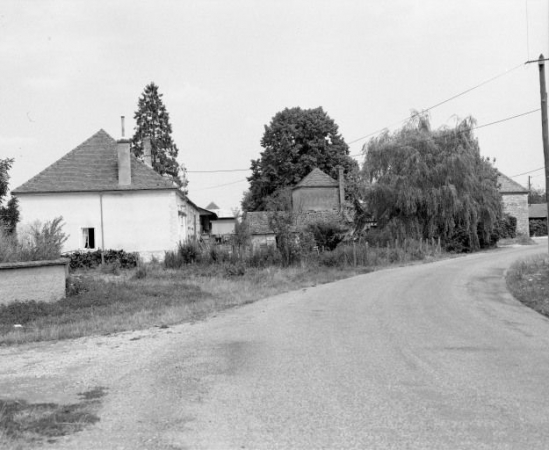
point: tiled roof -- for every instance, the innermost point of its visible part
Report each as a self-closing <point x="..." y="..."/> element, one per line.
<point x="317" y="178"/>
<point x="93" y="166"/>
<point x="508" y="186"/>
<point x="537" y="211"/>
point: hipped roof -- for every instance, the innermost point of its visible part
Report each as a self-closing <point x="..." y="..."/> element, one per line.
<point x="92" y="167"/>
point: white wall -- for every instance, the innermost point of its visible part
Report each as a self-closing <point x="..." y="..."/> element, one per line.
<point x="137" y="221"/>
<point x="220" y="227"/>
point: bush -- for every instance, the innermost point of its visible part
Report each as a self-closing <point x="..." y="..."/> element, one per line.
<point x="506" y="227"/>
<point x="326" y="233"/>
<point x="538" y="227"/>
<point x="91" y="260"/>
<point x="36" y="242"/>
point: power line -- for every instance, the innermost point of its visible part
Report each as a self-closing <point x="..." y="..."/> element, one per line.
<point x="488" y="124"/>
<point x="218" y="171"/>
<point x="526" y="173"/>
<point x="405" y="120"/>
<point x="220" y="185"/>
<point x="444" y="101"/>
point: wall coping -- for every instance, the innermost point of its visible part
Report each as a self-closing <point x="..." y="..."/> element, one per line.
<point x="25" y="264"/>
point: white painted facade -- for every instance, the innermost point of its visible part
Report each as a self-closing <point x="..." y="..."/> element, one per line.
<point x="149" y="222"/>
<point x="223" y="227"/>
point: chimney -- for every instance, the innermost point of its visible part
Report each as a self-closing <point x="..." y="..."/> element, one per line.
<point x="124" y="165"/>
<point x="341" y="180"/>
<point x="147" y="151"/>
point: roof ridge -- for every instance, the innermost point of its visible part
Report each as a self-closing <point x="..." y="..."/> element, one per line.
<point x="92" y="166"/>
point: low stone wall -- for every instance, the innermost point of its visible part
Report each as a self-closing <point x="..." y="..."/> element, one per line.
<point x="33" y="280"/>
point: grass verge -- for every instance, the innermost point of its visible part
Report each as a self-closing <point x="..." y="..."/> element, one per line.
<point x="528" y="281"/>
<point x="23" y="423"/>
<point x="103" y="304"/>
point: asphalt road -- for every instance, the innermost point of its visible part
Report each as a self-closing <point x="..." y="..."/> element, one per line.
<point x="431" y="356"/>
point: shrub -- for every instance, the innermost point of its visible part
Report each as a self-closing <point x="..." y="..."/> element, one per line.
<point x="538" y="227"/>
<point x="237" y="269"/>
<point x="189" y="251"/>
<point x="506" y="227"/>
<point x="91" y="260"/>
<point x="36" y="242"/>
<point x="326" y="233"/>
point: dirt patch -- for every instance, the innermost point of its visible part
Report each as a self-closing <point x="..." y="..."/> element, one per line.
<point x="22" y="422"/>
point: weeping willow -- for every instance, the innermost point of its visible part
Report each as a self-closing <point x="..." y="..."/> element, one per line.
<point x="432" y="183"/>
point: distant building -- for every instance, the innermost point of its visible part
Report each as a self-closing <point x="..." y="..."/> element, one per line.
<point x="317" y="197"/>
<point x="515" y="202"/>
<point x="224" y="222"/>
<point x="110" y="200"/>
<point x="537" y="214"/>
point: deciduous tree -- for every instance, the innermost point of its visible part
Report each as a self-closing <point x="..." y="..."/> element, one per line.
<point x="295" y="142"/>
<point x="433" y="183"/>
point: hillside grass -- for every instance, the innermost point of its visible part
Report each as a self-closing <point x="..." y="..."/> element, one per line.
<point x="528" y="281"/>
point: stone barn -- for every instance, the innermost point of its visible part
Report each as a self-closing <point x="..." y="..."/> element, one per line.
<point x="515" y="202"/>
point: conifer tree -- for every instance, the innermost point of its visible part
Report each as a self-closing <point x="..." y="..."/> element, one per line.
<point x="153" y="120"/>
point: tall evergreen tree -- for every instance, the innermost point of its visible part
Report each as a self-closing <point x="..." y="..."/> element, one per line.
<point x="295" y="142"/>
<point x="433" y="183"/>
<point x="153" y="120"/>
<point x="9" y="214"/>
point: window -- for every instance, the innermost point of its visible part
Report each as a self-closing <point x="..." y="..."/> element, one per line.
<point x="88" y="237"/>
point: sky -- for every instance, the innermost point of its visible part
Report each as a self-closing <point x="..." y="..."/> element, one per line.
<point x="225" y="68"/>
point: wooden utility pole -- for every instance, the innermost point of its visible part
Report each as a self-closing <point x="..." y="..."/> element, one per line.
<point x="544" y="129"/>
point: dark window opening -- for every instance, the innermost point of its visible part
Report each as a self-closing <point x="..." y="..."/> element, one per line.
<point x="89" y="237"/>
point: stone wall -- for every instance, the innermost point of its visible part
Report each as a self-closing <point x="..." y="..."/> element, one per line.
<point x="34" y="280"/>
<point x="315" y="199"/>
<point x="516" y="205"/>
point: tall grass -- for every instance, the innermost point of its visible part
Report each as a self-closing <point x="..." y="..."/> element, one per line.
<point x="528" y="281"/>
<point x="35" y="242"/>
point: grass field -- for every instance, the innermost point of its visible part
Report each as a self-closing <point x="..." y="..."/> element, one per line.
<point x="102" y="303"/>
<point x="528" y="281"/>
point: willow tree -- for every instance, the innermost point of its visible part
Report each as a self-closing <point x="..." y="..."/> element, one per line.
<point x="432" y="184"/>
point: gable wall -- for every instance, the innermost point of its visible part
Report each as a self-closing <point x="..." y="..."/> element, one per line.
<point x="315" y="199"/>
<point x="516" y="205"/>
<point x="144" y="222"/>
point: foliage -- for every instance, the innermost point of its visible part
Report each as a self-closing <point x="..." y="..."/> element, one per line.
<point x="425" y="183"/>
<point x="242" y="234"/>
<point x="326" y="233"/>
<point x="90" y="260"/>
<point x="187" y="252"/>
<point x="536" y="196"/>
<point x="506" y="227"/>
<point x="295" y="142"/>
<point x="153" y="120"/>
<point x="38" y="242"/>
<point x="538" y="227"/>
<point x="9" y="214"/>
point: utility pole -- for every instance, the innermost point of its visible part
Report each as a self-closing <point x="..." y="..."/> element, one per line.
<point x="544" y="129"/>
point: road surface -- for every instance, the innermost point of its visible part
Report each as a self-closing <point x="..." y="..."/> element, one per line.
<point x="430" y="356"/>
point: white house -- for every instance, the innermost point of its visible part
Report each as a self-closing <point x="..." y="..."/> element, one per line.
<point x="110" y="200"/>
